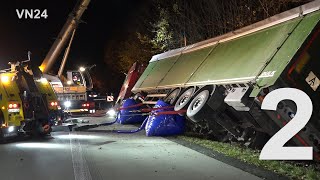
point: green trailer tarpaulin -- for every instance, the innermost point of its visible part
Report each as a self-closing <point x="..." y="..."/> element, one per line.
<point x="258" y="57"/>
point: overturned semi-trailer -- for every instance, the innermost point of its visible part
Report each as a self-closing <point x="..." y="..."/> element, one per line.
<point x="222" y="81"/>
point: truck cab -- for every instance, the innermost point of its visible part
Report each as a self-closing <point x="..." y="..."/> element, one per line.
<point x="11" y="114"/>
<point x="72" y="91"/>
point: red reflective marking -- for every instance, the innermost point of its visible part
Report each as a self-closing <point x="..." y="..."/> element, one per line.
<point x="301" y="55"/>
<point x="316" y="155"/>
<point x="278" y="116"/>
<point x="299" y="138"/>
<point x="170" y="112"/>
<point x="136" y="105"/>
<point x="153" y="109"/>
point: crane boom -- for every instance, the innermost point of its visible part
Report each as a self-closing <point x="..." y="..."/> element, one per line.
<point x="64" y="35"/>
<point x="65" y="56"/>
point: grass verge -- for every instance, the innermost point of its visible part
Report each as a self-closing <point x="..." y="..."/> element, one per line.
<point x="294" y="171"/>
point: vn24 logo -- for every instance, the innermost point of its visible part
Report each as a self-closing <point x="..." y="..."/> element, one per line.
<point x="32" y="14"/>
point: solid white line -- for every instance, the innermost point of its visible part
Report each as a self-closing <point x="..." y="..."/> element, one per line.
<point x="80" y="167"/>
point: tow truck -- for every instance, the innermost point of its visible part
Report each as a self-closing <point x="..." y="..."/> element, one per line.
<point x="28" y="102"/>
<point x="29" y="97"/>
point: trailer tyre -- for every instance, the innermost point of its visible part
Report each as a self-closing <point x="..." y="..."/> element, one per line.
<point x="184" y="99"/>
<point x="172" y="97"/>
<point x="197" y="108"/>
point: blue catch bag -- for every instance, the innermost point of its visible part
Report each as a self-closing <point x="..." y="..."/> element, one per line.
<point x="127" y="117"/>
<point x="164" y="125"/>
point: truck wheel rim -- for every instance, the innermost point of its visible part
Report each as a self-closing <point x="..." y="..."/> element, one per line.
<point x="172" y="96"/>
<point x="197" y="103"/>
<point x="183" y="99"/>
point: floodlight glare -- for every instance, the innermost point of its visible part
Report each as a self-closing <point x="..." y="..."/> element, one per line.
<point x="10" y="129"/>
<point x="43" y="80"/>
<point x="67" y="104"/>
<point x="111" y="112"/>
<point x="5" y="79"/>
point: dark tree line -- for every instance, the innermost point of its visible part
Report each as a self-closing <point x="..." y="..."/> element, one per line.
<point x="161" y="25"/>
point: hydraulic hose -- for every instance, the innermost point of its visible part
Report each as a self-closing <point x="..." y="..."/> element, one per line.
<point x="110" y="123"/>
<point x="118" y="115"/>
<point x="135" y="130"/>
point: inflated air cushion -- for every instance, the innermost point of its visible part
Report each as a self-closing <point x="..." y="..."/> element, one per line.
<point x="164" y="125"/>
<point x="127" y="117"/>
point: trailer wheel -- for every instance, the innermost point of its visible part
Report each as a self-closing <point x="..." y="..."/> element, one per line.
<point x="184" y="99"/>
<point x="172" y="97"/>
<point x="197" y="108"/>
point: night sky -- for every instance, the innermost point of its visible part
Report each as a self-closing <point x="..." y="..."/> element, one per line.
<point x="105" y="20"/>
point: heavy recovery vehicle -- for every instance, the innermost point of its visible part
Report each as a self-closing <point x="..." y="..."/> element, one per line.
<point x="30" y="99"/>
<point x="28" y="102"/>
<point x="221" y="82"/>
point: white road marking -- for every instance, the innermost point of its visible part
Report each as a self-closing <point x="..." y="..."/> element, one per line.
<point x="80" y="166"/>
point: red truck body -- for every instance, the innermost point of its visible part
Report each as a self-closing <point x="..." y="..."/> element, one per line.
<point x="132" y="77"/>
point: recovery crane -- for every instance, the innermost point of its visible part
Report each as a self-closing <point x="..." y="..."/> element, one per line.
<point x="72" y="89"/>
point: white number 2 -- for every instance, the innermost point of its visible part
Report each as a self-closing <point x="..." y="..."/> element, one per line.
<point x="274" y="150"/>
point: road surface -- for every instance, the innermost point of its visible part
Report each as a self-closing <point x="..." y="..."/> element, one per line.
<point x="102" y="154"/>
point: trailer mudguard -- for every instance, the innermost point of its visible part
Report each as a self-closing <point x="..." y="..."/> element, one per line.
<point x="164" y="125"/>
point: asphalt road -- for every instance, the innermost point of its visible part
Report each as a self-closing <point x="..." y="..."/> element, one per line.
<point x="102" y="154"/>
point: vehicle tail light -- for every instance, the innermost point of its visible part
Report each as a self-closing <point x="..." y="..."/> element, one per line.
<point x="54" y="103"/>
<point x="14" y="107"/>
<point x="85" y="105"/>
